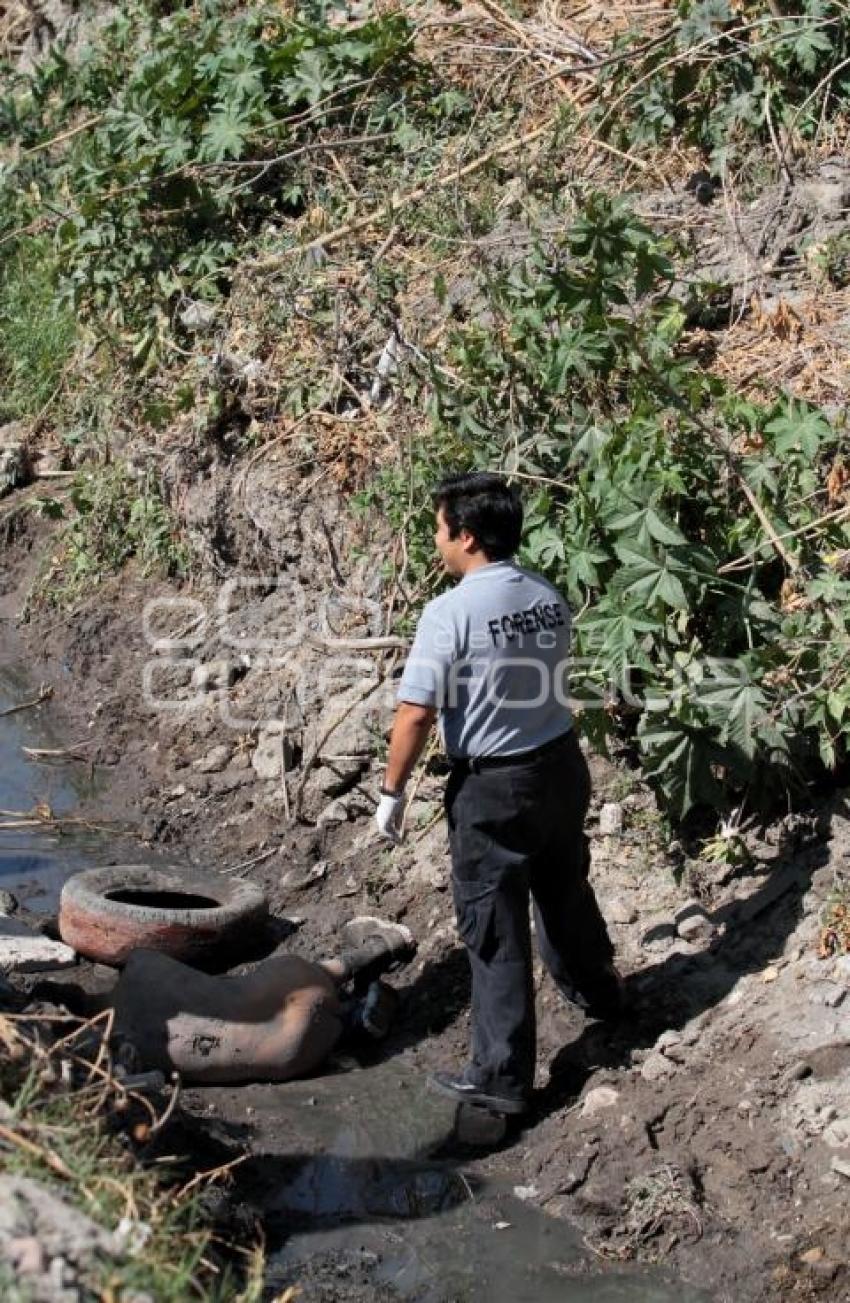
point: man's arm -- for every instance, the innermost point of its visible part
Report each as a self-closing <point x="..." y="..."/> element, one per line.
<point x="411" y="727"/>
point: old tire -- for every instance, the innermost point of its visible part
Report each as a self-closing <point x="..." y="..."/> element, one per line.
<point x="104" y="914"/>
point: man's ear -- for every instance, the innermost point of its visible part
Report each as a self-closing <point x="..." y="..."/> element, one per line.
<point x="468" y="540"/>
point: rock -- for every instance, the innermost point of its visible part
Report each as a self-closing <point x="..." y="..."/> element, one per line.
<point x="15" y="469"/>
<point x="198" y="316"/>
<point x="617" y="911"/>
<point x="841" y="1166"/>
<point x="832" y="198"/>
<point x="8" y="903"/>
<point x="837" y="1134"/>
<point x="832" y="995"/>
<point x="797" y="1071"/>
<point x="693" y="924"/>
<point x="216" y="760"/>
<point x="272" y="749"/>
<point x="611" y="819"/>
<point x="302" y="880"/>
<point x="429" y="873"/>
<point x="216" y="675"/>
<point x="23" y="950"/>
<point x="355" y="734"/>
<point x="335" y="812"/>
<point x="813" y="1255"/>
<point x="668" y="1040"/>
<point x="26" y="1255"/>
<point x="29" y="1209"/>
<point x="659" y="937"/>
<point x="601" y="1097"/>
<point x="841" y="970"/>
<point x="656" y="1067"/>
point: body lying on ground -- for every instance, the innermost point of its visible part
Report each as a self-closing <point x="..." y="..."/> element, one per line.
<point x="277" y="1022"/>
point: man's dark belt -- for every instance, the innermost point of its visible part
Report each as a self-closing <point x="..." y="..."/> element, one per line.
<point x="475" y="764"/>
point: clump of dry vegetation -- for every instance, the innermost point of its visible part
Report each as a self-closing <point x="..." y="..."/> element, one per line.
<point x="75" y="1131"/>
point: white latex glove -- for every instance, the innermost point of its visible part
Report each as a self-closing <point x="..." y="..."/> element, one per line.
<point x="388" y="816"/>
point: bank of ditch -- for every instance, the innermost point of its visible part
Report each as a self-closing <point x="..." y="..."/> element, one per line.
<point x="707" y="1135"/>
<point x="262" y="276"/>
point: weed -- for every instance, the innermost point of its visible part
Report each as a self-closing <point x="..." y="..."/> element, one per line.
<point x="726" y="75"/>
<point x="728" y="849"/>
<point x="116" y="518"/>
<point x="829" y="261"/>
<point x="73" y="1121"/>
<point x="37" y="332"/>
<point x="835" y="922"/>
<point x="652" y="492"/>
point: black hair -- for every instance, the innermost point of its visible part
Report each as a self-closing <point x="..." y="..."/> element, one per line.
<point x="487" y="506"/>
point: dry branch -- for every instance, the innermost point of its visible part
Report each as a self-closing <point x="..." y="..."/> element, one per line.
<point x="398" y="202"/>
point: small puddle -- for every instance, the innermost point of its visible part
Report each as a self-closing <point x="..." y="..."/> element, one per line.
<point x="351" y="1193"/>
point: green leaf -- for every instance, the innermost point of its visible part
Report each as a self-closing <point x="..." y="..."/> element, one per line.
<point x="224" y="135"/>
<point x="800" y="427"/>
<point x="647" y="525"/>
<point x="739" y="709"/>
<point x="650" y="576"/>
<point x="678" y="758"/>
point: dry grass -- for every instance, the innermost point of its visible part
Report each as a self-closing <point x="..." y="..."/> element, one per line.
<point x="74" y="1121"/>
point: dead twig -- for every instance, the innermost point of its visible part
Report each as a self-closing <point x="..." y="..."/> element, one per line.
<point x="170" y="1106"/>
<point x="53" y="1161"/>
<point x="255" y="859"/>
<point x="65" y="135"/>
<point x="387" y="643"/>
<point x="398" y="202"/>
<point x="45" y="692"/>
<point x="212" y="1175"/>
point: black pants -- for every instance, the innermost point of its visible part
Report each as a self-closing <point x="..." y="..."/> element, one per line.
<point x="517" y="831"/>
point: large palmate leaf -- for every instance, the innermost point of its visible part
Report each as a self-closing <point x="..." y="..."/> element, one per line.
<point x="652" y="577"/>
<point x="678" y="756"/>
<point x="739" y="709"/>
<point x="646" y="525"/>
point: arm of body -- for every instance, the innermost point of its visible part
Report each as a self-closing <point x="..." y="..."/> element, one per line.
<point x="411" y="727"/>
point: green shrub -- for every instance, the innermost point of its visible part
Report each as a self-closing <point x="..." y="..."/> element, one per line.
<point x="190" y="125"/>
<point x="725" y="76"/>
<point x="720" y="652"/>
<point x="116" y="517"/>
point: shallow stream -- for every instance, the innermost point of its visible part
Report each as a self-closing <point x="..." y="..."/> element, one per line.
<point x="35" y="861"/>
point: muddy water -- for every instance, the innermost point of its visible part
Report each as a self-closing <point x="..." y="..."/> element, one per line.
<point x="34" y="862"/>
<point x="366" y="1207"/>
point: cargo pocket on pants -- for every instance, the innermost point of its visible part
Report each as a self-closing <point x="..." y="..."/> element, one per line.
<point x="474" y="915"/>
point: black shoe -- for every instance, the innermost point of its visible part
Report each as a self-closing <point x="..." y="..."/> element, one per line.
<point x="466" y="1092"/>
<point x="606" y="998"/>
<point x="603" y="998"/>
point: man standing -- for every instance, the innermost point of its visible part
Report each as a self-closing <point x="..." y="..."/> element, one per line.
<point x="490" y="656"/>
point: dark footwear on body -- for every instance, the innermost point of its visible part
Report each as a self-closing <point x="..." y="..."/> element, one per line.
<point x="381" y="937"/>
<point x="376" y="947"/>
<point x="462" y="1091"/>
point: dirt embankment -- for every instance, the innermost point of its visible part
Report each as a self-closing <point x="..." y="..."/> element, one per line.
<point x="241" y="725"/>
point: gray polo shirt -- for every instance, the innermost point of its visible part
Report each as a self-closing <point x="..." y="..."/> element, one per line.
<point x="492" y="655"/>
